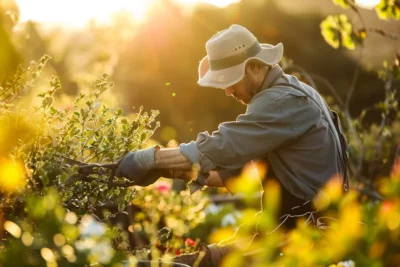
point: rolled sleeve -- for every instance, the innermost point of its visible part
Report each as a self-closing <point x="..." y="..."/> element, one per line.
<point x="190" y="151"/>
<point x="193" y="154"/>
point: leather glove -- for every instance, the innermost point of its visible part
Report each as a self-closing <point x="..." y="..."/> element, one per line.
<point x="138" y="166"/>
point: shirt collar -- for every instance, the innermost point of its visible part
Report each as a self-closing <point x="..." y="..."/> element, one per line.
<point x="272" y="77"/>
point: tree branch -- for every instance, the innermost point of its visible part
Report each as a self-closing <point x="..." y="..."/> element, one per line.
<point x="330" y="87"/>
<point x="383" y="33"/>
<point x="304" y="73"/>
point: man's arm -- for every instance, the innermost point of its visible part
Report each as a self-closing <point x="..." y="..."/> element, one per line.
<point x="176" y="165"/>
<point x="172" y="158"/>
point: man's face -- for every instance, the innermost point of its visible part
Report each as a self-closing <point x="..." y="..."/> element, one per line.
<point x="242" y="91"/>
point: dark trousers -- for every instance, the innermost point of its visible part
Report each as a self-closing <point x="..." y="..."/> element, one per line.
<point x="291" y="207"/>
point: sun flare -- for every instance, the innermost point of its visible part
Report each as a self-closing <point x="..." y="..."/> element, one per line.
<point x="77" y="13"/>
<point x="367" y="4"/>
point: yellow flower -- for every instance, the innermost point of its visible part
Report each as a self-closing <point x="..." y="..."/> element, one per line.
<point x="12" y="176"/>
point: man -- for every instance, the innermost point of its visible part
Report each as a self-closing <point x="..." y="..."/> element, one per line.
<point x="286" y="124"/>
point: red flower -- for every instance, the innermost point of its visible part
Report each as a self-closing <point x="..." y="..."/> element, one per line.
<point x="190" y="242"/>
<point x="396" y="168"/>
<point x="387" y="207"/>
<point x="178" y="252"/>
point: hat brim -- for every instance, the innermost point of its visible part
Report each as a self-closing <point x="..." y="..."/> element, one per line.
<point x="270" y="55"/>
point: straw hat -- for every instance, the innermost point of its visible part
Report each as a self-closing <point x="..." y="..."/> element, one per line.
<point x="228" y="51"/>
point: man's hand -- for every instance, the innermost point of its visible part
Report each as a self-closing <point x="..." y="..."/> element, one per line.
<point x="138" y="166"/>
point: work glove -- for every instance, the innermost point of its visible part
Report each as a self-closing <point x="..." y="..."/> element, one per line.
<point x="138" y="166"/>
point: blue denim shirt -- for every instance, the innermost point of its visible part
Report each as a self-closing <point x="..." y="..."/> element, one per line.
<point x="281" y="125"/>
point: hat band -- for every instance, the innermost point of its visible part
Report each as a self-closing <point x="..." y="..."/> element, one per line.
<point x="226" y="62"/>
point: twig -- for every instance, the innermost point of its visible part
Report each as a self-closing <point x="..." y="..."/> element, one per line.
<point x="304" y="73"/>
<point x="388" y="85"/>
<point x="354" y="81"/>
<point x="378" y="148"/>
<point x="330" y="87"/>
<point x="383" y="33"/>
<point x="355" y="9"/>
<point x="348" y="117"/>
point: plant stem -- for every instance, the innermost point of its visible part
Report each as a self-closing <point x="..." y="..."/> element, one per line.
<point x="378" y="148"/>
<point x="383" y="33"/>
<point x="348" y="117"/>
<point x="330" y="87"/>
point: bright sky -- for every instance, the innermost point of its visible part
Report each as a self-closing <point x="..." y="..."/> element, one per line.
<point x="77" y="12"/>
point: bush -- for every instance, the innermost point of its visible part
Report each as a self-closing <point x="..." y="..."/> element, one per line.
<point x="47" y="217"/>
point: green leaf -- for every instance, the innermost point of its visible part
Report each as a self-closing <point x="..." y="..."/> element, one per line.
<point x="42" y="94"/>
<point x="117" y="191"/>
<point x="121" y="207"/>
<point x="338" y="31"/>
<point x="44" y="59"/>
<point x="47" y="102"/>
<point x="343" y="3"/>
<point x="143" y="137"/>
<point x="388" y="9"/>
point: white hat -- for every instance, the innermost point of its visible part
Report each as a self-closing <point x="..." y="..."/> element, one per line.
<point x="228" y="51"/>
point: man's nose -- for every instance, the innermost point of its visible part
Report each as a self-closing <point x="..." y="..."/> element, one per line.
<point x="229" y="91"/>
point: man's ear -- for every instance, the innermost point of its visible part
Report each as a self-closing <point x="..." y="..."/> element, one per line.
<point x="251" y="66"/>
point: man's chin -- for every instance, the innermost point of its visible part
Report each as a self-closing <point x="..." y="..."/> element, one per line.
<point x="241" y="101"/>
<point x="244" y="102"/>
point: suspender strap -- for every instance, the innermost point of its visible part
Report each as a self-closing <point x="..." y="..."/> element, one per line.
<point x="335" y="128"/>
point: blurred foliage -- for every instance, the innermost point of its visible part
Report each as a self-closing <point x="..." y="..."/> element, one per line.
<point x="49" y="235"/>
<point x="9" y="55"/>
<point x="337" y="31"/>
<point x="343" y="3"/>
<point x="388" y="9"/>
<point x="36" y="140"/>
<point x="372" y="145"/>
<point x="166" y="218"/>
<point x="41" y="137"/>
<point x="346" y="229"/>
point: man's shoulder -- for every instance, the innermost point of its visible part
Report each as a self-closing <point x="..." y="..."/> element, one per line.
<point x="278" y="92"/>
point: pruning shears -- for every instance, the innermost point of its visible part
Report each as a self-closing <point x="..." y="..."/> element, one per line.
<point x="86" y="170"/>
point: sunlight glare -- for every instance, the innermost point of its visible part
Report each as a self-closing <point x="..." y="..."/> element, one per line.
<point x="367" y="4"/>
<point x="76" y="13"/>
<point x="217" y="3"/>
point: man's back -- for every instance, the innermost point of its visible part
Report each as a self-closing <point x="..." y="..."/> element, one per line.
<point x="303" y="164"/>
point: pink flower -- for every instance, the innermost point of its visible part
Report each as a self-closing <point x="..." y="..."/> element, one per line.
<point x="163" y="187"/>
